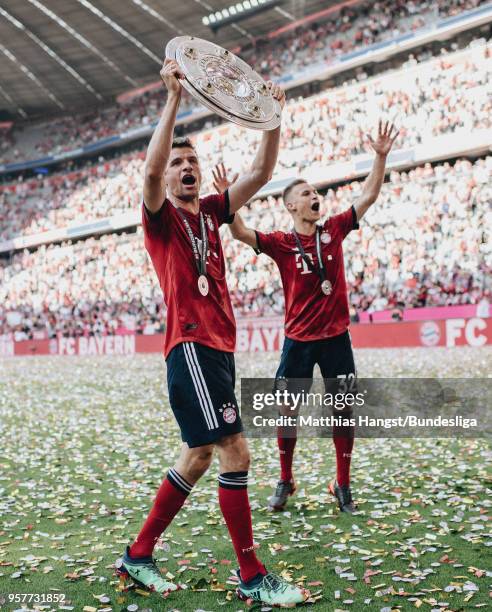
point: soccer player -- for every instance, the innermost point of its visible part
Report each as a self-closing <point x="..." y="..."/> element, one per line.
<point x="310" y="261"/>
<point x="181" y="232"/>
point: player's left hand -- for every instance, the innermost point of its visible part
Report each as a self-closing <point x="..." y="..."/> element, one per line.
<point x="385" y="139"/>
<point x="277" y="92"/>
<point x="221" y="180"/>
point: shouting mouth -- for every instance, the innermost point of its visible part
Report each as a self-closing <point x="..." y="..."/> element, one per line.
<point x="188" y="179"/>
<point x="315" y="207"/>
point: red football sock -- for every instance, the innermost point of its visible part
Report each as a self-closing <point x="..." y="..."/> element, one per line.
<point x="170" y="497"/>
<point x="343" y="439"/>
<point x="234" y="504"/>
<point x="286" y="448"/>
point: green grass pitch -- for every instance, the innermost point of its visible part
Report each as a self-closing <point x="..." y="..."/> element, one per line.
<point x="87" y="441"/>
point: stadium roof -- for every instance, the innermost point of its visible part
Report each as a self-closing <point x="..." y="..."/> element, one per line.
<point x="65" y="55"/>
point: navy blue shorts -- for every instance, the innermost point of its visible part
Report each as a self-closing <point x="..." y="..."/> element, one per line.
<point x="201" y="384"/>
<point x="333" y="355"/>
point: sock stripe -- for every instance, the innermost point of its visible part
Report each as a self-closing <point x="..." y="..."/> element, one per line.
<point x="180" y="479"/>
<point x="233" y="480"/>
<point x="224" y="485"/>
<point x="179" y="482"/>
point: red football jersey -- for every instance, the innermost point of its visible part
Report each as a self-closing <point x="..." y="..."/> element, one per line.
<point x="191" y="317"/>
<point x="309" y="313"/>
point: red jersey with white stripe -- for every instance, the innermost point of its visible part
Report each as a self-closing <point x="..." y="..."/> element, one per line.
<point x="191" y="317"/>
<point x="309" y="313"/>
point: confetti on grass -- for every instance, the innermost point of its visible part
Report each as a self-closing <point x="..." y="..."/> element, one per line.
<point x="89" y="441"/>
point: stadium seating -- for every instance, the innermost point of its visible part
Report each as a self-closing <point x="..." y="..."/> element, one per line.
<point x="426" y="242"/>
<point x="323" y="40"/>
<point x="442" y="96"/>
<point x="353" y="27"/>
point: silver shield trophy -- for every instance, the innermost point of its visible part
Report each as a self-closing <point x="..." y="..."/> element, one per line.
<point x="224" y="83"/>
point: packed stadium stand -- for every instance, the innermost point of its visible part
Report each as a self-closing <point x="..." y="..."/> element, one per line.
<point x="320" y="40"/>
<point x="426" y="243"/>
<point x="449" y="94"/>
<point x="73" y="261"/>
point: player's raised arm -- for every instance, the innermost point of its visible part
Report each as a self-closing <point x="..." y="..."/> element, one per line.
<point x="263" y="165"/>
<point x="372" y="185"/>
<point x="238" y="228"/>
<point x="241" y="232"/>
<point x="160" y="144"/>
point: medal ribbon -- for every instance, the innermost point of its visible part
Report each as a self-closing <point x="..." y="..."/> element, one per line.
<point x="320" y="269"/>
<point x="200" y="258"/>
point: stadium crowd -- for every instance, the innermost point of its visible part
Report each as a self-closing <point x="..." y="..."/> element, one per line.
<point x="353" y="27"/>
<point x="68" y="133"/>
<point x="440" y="96"/>
<point x="423" y="244"/>
<point x="313" y="43"/>
<point x="426" y="242"/>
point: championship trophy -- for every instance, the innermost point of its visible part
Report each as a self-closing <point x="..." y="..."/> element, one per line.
<point x="224" y="83"/>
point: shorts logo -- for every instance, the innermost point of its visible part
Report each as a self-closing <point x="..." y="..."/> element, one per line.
<point x="229" y="415"/>
<point x="325" y="238"/>
<point x="281" y="383"/>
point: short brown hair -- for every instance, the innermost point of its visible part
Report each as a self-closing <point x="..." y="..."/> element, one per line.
<point x="290" y="187"/>
<point x="182" y="142"/>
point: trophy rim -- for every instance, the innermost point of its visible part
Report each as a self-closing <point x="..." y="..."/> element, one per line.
<point x="270" y="124"/>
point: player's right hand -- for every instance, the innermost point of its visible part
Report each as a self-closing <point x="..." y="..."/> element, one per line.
<point x="170" y="75"/>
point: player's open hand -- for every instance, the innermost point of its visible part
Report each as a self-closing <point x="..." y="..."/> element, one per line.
<point x="221" y="180"/>
<point x="170" y="75"/>
<point x="277" y="92"/>
<point x="387" y="135"/>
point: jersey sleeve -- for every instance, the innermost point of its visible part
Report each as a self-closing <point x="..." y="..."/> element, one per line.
<point x="155" y="224"/>
<point x="268" y="243"/>
<point x="343" y="223"/>
<point x="219" y="205"/>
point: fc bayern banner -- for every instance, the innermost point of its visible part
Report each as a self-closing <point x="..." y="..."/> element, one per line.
<point x="265" y="335"/>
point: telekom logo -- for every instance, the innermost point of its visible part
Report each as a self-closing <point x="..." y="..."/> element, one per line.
<point x="301" y="264"/>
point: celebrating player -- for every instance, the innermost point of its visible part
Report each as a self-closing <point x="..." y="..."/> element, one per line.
<point x="310" y="260"/>
<point x="182" y="237"/>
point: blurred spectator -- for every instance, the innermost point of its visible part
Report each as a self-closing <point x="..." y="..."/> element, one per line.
<point x="445" y="95"/>
<point x="321" y="41"/>
<point x="426" y="242"/>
